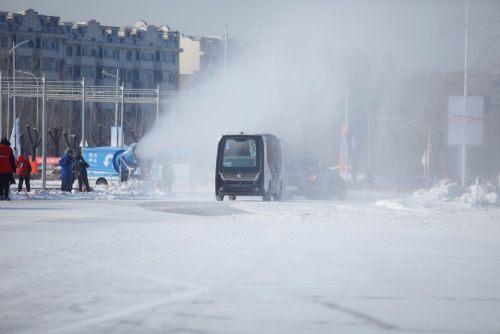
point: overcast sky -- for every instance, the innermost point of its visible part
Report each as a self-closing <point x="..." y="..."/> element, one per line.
<point x="427" y="27"/>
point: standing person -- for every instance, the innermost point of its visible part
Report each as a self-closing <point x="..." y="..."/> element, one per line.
<point x="7" y="168"/>
<point x="24" y="172"/>
<point x="66" y="164"/>
<point x="82" y="175"/>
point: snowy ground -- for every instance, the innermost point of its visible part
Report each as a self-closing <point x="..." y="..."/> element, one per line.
<point x="180" y="265"/>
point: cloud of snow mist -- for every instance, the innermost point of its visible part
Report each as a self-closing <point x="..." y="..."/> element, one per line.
<point x="291" y="79"/>
<point x="288" y="82"/>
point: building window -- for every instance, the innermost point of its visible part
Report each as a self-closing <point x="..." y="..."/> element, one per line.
<point x="69" y="51"/>
<point x="129" y="76"/>
<point x="77" y="71"/>
<point x="116" y="53"/>
<point x="78" y="50"/>
<point x="3" y="41"/>
<point x="129" y="55"/>
<point x="137" y="55"/>
<point x="157" y="56"/>
<point x="173" y="57"/>
<point x="88" y="71"/>
<point x="93" y="52"/>
<point x="69" y="72"/>
<point x="136" y="75"/>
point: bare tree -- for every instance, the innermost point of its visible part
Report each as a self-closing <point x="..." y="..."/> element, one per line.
<point x="55" y="136"/>
<point x="34" y="140"/>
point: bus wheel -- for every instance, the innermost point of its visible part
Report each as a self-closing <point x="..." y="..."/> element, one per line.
<point x="219" y="197"/>
<point x="232" y="197"/>
<point x="101" y="181"/>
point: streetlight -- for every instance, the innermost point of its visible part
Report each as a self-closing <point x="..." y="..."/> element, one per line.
<point x="117" y="77"/>
<point x="13" y="51"/>
<point x="37" y="86"/>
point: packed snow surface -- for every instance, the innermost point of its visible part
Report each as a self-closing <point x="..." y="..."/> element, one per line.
<point x="175" y="264"/>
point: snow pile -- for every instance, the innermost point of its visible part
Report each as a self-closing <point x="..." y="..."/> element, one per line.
<point x="389" y="204"/>
<point x="447" y="191"/>
<point x="482" y="194"/>
<point x="133" y="189"/>
<point x="444" y="191"/>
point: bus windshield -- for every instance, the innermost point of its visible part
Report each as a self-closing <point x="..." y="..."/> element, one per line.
<point x="240" y="153"/>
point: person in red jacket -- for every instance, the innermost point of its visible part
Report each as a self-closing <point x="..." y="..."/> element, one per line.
<point x="24" y="172"/>
<point x="7" y="168"/>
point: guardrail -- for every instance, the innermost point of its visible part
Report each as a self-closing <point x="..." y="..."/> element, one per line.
<point x="76" y="91"/>
<point x="73" y="91"/>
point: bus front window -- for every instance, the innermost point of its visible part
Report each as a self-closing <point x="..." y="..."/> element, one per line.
<point x="240" y="153"/>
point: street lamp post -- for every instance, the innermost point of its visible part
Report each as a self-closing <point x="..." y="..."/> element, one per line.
<point x="37" y="87"/>
<point x="117" y="77"/>
<point x="13" y="52"/>
<point x="122" y="114"/>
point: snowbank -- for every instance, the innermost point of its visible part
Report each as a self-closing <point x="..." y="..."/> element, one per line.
<point x="444" y="191"/>
<point x="133" y="189"/>
<point x="484" y="194"/>
<point x="389" y="204"/>
<point x="447" y="191"/>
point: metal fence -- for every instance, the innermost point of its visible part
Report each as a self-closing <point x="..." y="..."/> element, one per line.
<point x="75" y="91"/>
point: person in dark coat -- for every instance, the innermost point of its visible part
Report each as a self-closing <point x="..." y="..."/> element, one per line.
<point x="66" y="164"/>
<point x="82" y="173"/>
<point x="24" y="172"/>
<point x="7" y="168"/>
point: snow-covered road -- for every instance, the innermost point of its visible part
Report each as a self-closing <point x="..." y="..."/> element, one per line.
<point x="200" y="266"/>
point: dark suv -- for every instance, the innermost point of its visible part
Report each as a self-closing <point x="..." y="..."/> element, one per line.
<point x="305" y="177"/>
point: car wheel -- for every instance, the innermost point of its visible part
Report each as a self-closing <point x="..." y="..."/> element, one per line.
<point x="219" y="197"/>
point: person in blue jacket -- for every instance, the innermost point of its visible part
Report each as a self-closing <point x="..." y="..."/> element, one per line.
<point x="66" y="164"/>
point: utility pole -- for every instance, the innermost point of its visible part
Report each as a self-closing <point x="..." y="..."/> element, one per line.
<point x="14" y="116"/>
<point x="44" y="135"/>
<point x="117" y="87"/>
<point x="225" y="48"/>
<point x="157" y="104"/>
<point x="83" y="115"/>
<point x="464" y="144"/>
<point x="346" y="119"/>
<point x="121" y="116"/>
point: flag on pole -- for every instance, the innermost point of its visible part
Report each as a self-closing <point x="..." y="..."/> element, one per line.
<point x="15" y="140"/>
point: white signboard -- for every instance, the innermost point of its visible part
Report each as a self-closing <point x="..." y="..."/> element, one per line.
<point x="465" y="125"/>
<point x="116" y="136"/>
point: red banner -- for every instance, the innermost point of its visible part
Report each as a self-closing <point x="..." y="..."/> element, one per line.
<point x="50" y="160"/>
